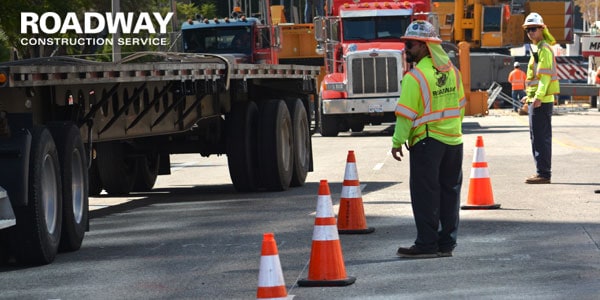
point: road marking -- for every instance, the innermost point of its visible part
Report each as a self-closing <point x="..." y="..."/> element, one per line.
<point x="182" y="165"/>
<point x="378" y="167"/>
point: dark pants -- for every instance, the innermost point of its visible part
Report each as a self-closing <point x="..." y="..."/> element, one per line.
<point x="517" y="95"/>
<point x="540" y="131"/>
<point x="435" y="182"/>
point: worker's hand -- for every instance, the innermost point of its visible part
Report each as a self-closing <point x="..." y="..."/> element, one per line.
<point x="537" y="103"/>
<point x="524" y="99"/>
<point x="397" y="153"/>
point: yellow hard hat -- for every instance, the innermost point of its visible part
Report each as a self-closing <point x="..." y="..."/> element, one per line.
<point x="533" y="20"/>
<point x="422" y="31"/>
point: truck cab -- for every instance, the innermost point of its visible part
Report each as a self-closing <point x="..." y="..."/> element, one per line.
<point x="364" y="61"/>
<point x="248" y="40"/>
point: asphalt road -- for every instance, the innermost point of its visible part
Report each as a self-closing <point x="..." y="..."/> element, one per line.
<point x="194" y="237"/>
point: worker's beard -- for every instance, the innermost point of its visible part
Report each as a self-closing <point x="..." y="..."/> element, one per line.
<point x="410" y="58"/>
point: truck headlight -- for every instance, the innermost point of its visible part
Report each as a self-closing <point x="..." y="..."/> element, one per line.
<point x="336" y="86"/>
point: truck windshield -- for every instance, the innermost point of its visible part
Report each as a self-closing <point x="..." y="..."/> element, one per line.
<point x="371" y="28"/>
<point x="218" y="40"/>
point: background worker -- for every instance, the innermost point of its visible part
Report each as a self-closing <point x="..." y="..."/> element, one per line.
<point x="542" y="85"/>
<point x="429" y="118"/>
<point x="517" y="79"/>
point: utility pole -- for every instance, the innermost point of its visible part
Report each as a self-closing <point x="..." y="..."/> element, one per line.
<point x="116" y="48"/>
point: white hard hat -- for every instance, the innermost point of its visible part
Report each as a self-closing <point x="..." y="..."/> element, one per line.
<point x="533" y="20"/>
<point x="422" y="31"/>
<point x="517" y="64"/>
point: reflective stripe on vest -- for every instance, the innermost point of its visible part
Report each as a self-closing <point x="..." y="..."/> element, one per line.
<point x="551" y="72"/>
<point x="428" y="115"/>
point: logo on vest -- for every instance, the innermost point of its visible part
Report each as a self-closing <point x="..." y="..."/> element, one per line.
<point x="441" y="79"/>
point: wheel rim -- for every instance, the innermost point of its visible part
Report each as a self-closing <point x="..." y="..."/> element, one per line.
<point x="50" y="193"/>
<point x="286" y="143"/>
<point x="77" y="185"/>
<point x="304" y="140"/>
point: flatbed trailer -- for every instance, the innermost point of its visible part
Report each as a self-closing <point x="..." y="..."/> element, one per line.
<point x="70" y="128"/>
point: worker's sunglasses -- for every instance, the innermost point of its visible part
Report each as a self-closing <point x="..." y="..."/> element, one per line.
<point x="410" y="44"/>
<point x="532" y="29"/>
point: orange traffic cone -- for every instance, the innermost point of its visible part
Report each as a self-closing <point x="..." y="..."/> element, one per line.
<point x="270" y="277"/>
<point x="480" y="186"/>
<point x="326" y="266"/>
<point x="351" y="215"/>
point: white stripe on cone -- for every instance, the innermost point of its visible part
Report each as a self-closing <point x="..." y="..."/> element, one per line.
<point x="325" y="233"/>
<point x="270" y="273"/>
<point x="480" y="173"/>
<point x="479" y="155"/>
<point x="351" y="173"/>
<point x="324" y="207"/>
<point x="351" y="191"/>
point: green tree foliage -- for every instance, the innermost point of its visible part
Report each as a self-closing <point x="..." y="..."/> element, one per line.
<point x="208" y="10"/>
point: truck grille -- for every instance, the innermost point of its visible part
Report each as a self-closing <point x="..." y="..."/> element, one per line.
<point x="374" y="75"/>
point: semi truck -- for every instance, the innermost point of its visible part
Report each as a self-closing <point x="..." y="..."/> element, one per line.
<point x="364" y="61"/>
<point x="70" y="128"/>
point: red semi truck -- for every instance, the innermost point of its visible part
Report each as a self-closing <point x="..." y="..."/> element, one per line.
<point x="364" y="60"/>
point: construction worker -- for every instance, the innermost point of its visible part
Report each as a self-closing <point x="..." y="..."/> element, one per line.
<point x="308" y="10"/>
<point x="429" y="117"/>
<point x="517" y="79"/>
<point x="542" y="84"/>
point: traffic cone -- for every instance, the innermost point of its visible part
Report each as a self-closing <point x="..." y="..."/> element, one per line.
<point x="351" y="215"/>
<point x="326" y="266"/>
<point x="480" y="186"/>
<point x="270" y="277"/>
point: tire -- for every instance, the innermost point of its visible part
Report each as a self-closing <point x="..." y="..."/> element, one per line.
<point x="117" y="171"/>
<point x="74" y="177"/>
<point x="328" y="125"/>
<point x="147" y="172"/>
<point x="358" y="127"/>
<point x="37" y="234"/>
<point x="241" y="147"/>
<point x="302" y="148"/>
<point x="276" y="146"/>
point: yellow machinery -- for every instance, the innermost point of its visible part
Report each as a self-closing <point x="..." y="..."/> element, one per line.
<point x="298" y="43"/>
<point x="497" y="23"/>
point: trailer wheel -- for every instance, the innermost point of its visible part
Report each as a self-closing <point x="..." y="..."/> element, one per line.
<point x="241" y="145"/>
<point x="117" y="171"/>
<point x="147" y="171"/>
<point x="74" y="177"/>
<point x="276" y="146"/>
<point x="301" y="136"/>
<point x="37" y="233"/>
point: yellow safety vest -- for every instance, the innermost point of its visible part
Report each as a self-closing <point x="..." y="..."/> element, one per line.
<point x="431" y="104"/>
<point x="542" y="77"/>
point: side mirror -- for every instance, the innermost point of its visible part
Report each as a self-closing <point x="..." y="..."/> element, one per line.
<point x="319" y="28"/>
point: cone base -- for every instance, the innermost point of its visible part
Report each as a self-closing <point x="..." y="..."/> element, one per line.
<point x="356" y="231"/>
<point x="317" y="283"/>
<point x="492" y="206"/>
